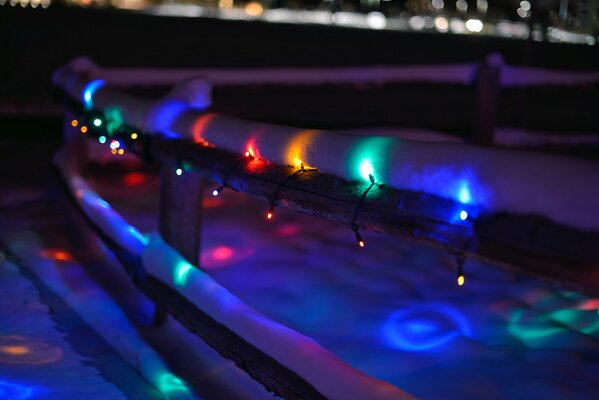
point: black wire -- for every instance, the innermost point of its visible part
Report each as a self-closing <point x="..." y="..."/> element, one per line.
<point x="353" y="224"/>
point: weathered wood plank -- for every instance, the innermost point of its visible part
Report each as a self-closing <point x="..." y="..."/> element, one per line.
<point x="181" y="210"/>
<point x="530" y="244"/>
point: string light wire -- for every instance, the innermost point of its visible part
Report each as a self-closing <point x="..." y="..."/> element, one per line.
<point x="353" y="224"/>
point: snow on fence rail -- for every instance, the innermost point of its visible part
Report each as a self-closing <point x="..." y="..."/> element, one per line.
<point x="462" y="74"/>
<point x="508" y="208"/>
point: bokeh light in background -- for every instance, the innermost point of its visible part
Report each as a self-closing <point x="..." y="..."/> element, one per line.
<point x="557" y="21"/>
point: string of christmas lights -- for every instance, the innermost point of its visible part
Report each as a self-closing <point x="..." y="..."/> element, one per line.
<point x="353" y="224"/>
<point x="273" y="200"/>
<point x="108" y="128"/>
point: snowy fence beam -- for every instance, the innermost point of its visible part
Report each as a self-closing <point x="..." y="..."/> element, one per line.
<point x="533" y="245"/>
<point x="181" y="209"/>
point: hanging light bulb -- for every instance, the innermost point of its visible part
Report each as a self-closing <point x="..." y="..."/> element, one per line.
<point x="217" y="191"/>
<point x="247" y="154"/>
<point x="179" y="171"/>
<point x="271" y="212"/>
<point x="102" y="139"/>
<point x="97" y="122"/>
<point x="83" y="129"/>
<point x="463" y="215"/>
<point x="134" y="135"/>
<point x="359" y="238"/>
<point x="461" y="279"/>
<point x="74" y="123"/>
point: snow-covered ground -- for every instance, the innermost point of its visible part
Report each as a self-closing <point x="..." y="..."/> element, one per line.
<point x="36" y="361"/>
<point x="394" y="310"/>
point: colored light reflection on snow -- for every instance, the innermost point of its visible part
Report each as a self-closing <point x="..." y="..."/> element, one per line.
<point x="530" y="330"/>
<point x="13" y="391"/>
<point x="369" y="157"/>
<point x="88" y="92"/>
<point x="222" y="253"/>
<point x="114" y="119"/>
<point x="14" y="350"/>
<point x="170" y="385"/>
<point x="18" y="350"/>
<point x="135" y="178"/>
<point x="56" y="254"/>
<point x="464" y="193"/>
<point x="295" y="152"/>
<point x="223" y="256"/>
<point x="252" y="149"/>
<point x="200" y="126"/>
<point x="424" y="327"/>
<point x="163" y="116"/>
<point x="182" y="271"/>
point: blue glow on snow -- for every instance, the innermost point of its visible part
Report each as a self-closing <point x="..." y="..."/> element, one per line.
<point x="181" y="273"/>
<point x="90" y="89"/>
<point x="102" y="203"/>
<point x="464" y="194"/>
<point x="424" y="327"/>
<point x="163" y="116"/>
<point x="463" y="215"/>
<point x="138" y="235"/>
<point x="170" y="385"/>
<point x="13" y="391"/>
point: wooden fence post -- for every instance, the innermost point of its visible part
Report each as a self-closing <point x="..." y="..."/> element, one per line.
<point x="181" y="209"/>
<point x="487" y="93"/>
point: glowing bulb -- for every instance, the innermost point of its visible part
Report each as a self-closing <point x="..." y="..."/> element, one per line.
<point x="113" y="151"/>
<point x="270" y="212"/>
<point x="247" y="154"/>
<point x="359" y="239"/>
<point x="366" y="169"/>
<point x="461" y="280"/>
<point x="463" y="215"/>
<point x="97" y="122"/>
<point x="121" y="152"/>
<point x="74" y="123"/>
<point x="134" y="136"/>
<point x="179" y="171"/>
<point x="115" y="144"/>
<point x="217" y="191"/>
<point x="102" y="139"/>
<point x="84" y="129"/>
